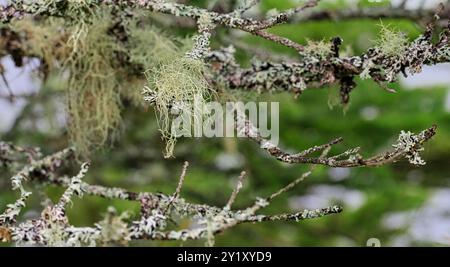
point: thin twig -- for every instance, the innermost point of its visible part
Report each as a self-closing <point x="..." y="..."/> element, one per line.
<point x="176" y="194"/>
<point x="236" y="190"/>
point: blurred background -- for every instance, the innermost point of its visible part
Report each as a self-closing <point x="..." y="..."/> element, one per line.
<point x="399" y="204"/>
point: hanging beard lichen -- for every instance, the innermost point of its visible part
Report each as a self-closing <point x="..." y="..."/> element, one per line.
<point x="173" y="80"/>
<point x="82" y="49"/>
<point x="150" y="47"/>
<point x="173" y="88"/>
<point x="93" y="89"/>
<point x="45" y="40"/>
<point x="84" y="53"/>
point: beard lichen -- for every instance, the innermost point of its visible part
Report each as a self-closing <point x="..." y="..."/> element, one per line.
<point x="84" y="54"/>
<point x="82" y="50"/>
<point x="151" y="47"/>
<point x="93" y="94"/>
<point x="45" y="41"/>
<point x="173" y="80"/>
<point x="391" y="42"/>
<point x="173" y="87"/>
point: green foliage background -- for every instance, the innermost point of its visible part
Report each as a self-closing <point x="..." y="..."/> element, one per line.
<point x="136" y="162"/>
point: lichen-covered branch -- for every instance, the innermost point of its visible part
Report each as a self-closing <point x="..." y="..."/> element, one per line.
<point x="408" y="146"/>
<point x="10" y="153"/>
<point x="316" y="66"/>
<point x="284" y="16"/>
<point x="232" y="20"/>
<point x="320" y="68"/>
<point x="157" y="212"/>
<point x="39" y="168"/>
<point x="383" y="12"/>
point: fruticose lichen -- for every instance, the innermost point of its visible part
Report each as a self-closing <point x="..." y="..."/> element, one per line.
<point x="409" y="143"/>
<point x="83" y="50"/>
<point x="172" y="88"/>
<point x="391" y="42"/>
<point x="321" y="49"/>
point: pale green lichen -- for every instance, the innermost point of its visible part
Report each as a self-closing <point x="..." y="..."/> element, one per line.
<point x="391" y="42"/>
<point x="150" y="47"/>
<point x="82" y="49"/>
<point x="44" y="40"/>
<point x="93" y="88"/>
<point x="84" y="52"/>
<point x="321" y="49"/>
<point x="172" y="87"/>
<point x="173" y="79"/>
